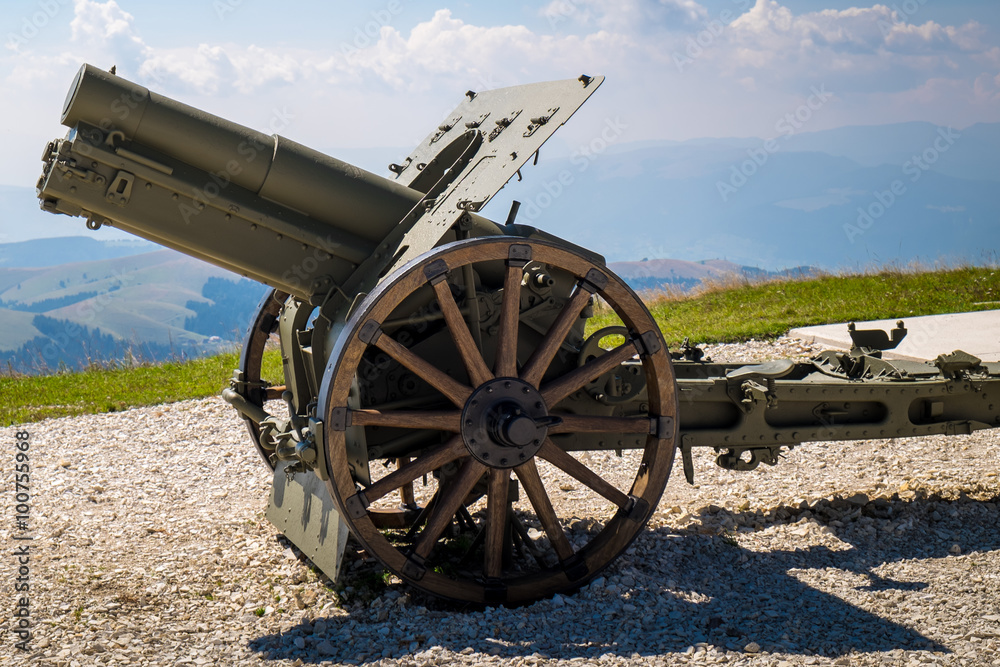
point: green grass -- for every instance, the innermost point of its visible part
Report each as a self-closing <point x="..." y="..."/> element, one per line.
<point x="731" y="313"/>
<point x="723" y="313"/>
<point x="33" y="398"/>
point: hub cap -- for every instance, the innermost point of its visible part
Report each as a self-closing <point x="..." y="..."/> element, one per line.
<point x="504" y="422"/>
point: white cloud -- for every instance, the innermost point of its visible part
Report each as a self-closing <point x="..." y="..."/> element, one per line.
<point x="858" y="41"/>
<point x="105" y="27"/>
<point x="858" y="49"/>
<point x="447" y="48"/>
<point x="441" y="50"/>
<point x="214" y="69"/>
<point x="884" y="66"/>
<point x="100" y="21"/>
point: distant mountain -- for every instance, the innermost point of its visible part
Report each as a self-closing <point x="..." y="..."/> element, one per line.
<point x="683" y="276"/>
<point x="154" y="305"/>
<point x="821" y="199"/>
<point x="973" y="155"/>
<point x="67" y="250"/>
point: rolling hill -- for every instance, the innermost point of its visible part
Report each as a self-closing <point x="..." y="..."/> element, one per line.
<point x="142" y="305"/>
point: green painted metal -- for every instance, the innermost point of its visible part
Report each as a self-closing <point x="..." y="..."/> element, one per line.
<point x="749" y="413"/>
<point x="301" y="508"/>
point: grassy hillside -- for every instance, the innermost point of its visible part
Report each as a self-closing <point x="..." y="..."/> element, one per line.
<point x="723" y="313"/>
<point x="33" y="398"/>
<point x="729" y="313"/>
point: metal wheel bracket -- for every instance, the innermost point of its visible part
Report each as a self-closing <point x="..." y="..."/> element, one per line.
<point x="370" y="332"/>
<point x="575" y="568"/>
<point x="648" y="343"/>
<point x="661" y="428"/>
<point x="340" y="419"/>
<point x="357" y="505"/>
<point x="414" y="567"/>
<point x="518" y="255"/>
<point x="436" y="271"/>
<point x="494" y="592"/>
<point x="636" y="509"/>
<point x="594" y="281"/>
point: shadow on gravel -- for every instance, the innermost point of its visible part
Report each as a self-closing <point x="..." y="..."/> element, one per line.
<point x="675" y="589"/>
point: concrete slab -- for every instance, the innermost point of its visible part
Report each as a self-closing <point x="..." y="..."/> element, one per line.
<point x="976" y="333"/>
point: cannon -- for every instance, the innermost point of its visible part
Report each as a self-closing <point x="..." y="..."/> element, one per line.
<point x="440" y="383"/>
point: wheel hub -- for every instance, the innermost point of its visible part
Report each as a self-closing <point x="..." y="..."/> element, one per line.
<point x="504" y="422"/>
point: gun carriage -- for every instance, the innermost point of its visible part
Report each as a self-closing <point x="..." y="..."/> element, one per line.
<point x="439" y="378"/>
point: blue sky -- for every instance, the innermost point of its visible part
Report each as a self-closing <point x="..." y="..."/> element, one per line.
<point x="339" y="75"/>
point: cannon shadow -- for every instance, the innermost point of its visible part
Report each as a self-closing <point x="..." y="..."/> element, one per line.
<point x="675" y="591"/>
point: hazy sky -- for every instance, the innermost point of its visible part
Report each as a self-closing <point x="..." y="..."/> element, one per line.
<point x="342" y="75"/>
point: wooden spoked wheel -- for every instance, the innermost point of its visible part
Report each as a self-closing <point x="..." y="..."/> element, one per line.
<point x="495" y="424"/>
<point x="255" y="390"/>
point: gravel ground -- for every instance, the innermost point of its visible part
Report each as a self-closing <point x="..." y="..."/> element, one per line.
<point x="152" y="549"/>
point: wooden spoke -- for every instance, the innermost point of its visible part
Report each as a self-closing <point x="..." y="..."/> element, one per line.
<point x="472" y="314"/>
<point x="406" y="495"/>
<point x="433" y="459"/>
<point x="448" y="504"/>
<point x="424" y="401"/>
<point x="497" y="504"/>
<point x="467" y="348"/>
<point x="559" y="389"/>
<point x="540" y="359"/>
<point x="569" y="465"/>
<point x="586" y="424"/>
<point x="455" y="391"/>
<point x="510" y="310"/>
<point x="442" y="420"/>
<point x="533" y="486"/>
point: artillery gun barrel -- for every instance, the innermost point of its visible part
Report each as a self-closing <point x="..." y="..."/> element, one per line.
<point x="322" y="187"/>
<point x="262" y="206"/>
